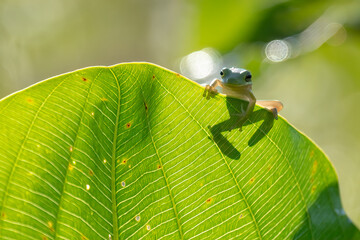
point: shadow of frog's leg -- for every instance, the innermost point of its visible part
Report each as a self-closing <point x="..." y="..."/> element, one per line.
<point x="210" y="90"/>
<point x="273" y="106"/>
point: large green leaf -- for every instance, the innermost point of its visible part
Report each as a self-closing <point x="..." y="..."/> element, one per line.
<point x="135" y="151"/>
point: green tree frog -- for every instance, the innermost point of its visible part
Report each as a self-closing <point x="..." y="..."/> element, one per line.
<point x="236" y="82"/>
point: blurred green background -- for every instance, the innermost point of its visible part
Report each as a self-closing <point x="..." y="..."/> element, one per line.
<point x="305" y="53"/>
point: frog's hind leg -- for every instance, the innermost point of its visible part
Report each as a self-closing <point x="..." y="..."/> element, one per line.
<point x="273" y="106"/>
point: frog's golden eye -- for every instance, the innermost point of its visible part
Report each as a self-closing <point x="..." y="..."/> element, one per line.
<point x="248" y="78"/>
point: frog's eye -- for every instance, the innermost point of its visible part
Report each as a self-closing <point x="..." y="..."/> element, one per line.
<point x="248" y="78"/>
<point x="221" y="73"/>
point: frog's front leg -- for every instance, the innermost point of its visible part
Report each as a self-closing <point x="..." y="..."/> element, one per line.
<point x="210" y="90"/>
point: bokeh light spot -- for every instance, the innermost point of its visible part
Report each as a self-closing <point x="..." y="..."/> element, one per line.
<point x="200" y="64"/>
<point x="277" y="50"/>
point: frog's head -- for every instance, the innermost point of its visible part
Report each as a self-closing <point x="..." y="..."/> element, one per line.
<point x="236" y="76"/>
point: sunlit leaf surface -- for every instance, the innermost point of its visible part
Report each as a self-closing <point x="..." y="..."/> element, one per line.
<point x="135" y="151"/>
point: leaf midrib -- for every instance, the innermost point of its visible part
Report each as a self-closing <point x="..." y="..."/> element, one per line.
<point x="113" y="164"/>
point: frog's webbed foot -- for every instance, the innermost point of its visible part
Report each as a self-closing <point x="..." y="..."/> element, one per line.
<point x="209" y="91"/>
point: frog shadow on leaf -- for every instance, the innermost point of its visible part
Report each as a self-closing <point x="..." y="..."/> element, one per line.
<point x="235" y="108"/>
<point x="236" y="84"/>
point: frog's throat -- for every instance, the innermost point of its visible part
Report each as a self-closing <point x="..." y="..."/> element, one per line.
<point x="236" y="87"/>
<point x="236" y="91"/>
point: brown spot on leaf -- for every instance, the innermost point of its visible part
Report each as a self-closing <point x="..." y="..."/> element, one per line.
<point x="124" y="161"/>
<point x="44" y="237"/>
<point x="153" y="76"/>
<point x="30" y="100"/>
<point x="209" y="200"/>
<point x="178" y="74"/>
<point x="84" y="79"/>
<point x="91" y="173"/>
<point x="146" y="107"/>
<point x="128" y="125"/>
<point x="252" y="180"/>
<point x="158" y="166"/>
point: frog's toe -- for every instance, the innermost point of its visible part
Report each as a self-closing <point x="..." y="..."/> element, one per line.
<point x="206" y="91"/>
<point x="275" y="113"/>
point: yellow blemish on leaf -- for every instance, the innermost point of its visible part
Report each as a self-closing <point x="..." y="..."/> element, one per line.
<point x="84" y="238"/>
<point x="129" y="165"/>
<point x="104" y="99"/>
<point x="137" y="218"/>
<point x="314" y="167"/>
<point x="3" y="215"/>
<point x="312" y="153"/>
<point x="92" y="113"/>
<point x="148" y="227"/>
<point x="30" y="100"/>
<point x="87" y="187"/>
<point x="241" y="216"/>
<point x="51" y="226"/>
<point x="313" y="189"/>
<point x="44" y="237"/>
<point x="91" y="173"/>
<point x="71" y="148"/>
<point x="71" y="167"/>
<point x="104" y="160"/>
